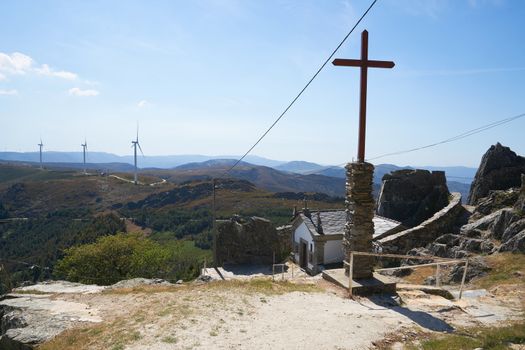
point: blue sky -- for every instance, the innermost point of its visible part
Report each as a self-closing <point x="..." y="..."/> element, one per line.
<point x="208" y="77"/>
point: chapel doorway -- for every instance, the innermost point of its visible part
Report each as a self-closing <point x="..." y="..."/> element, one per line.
<point x="303" y="254"/>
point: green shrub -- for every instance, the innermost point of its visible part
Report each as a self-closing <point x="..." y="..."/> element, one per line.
<point x="123" y="256"/>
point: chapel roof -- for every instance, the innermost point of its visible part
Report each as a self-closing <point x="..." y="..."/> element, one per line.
<point x="333" y="223"/>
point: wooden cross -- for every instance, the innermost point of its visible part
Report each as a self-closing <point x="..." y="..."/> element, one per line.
<point x="363" y="63"/>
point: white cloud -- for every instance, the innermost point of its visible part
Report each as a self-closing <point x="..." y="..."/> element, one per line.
<point x="18" y="64"/>
<point x="45" y="70"/>
<point x="8" y="92"/>
<point x="142" y="103"/>
<point x="79" y="92"/>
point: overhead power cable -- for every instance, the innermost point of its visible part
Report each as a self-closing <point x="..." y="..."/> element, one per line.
<point x="454" y="138"/>
<point x="451" y="139"/>
<point x="303" y="89"/>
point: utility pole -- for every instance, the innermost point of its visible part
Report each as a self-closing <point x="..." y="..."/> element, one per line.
<point x="214" y="227"/>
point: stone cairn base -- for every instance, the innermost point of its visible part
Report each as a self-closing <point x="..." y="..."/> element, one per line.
<point x="359" y="227"/>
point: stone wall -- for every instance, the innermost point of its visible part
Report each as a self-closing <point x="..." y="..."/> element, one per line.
<point x="252" y="240"/>
<point x="444" y="221"/>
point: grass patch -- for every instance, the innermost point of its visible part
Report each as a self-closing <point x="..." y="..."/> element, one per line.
<point x="487" y="338"/>
<point x="169" y="340"/>
<point x="264" y="286"/>
<point x="504" y="268"/>
<point x="419" y="274"/>
<point x="111" y="335"/>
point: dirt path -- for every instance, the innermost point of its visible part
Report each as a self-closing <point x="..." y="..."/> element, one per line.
<point x="264" y="315"/>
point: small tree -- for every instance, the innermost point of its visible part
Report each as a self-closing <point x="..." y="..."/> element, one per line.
<point x="123" y="256"/>
<point x="113" y="258"/>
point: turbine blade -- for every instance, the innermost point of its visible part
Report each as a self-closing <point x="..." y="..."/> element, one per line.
<point x="138" y="144"/>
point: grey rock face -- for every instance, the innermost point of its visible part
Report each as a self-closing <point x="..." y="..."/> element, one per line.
<point x="412" y="196"/>
<point x="487" y="247"/>
<point x="500" y="169"/>
<point x="135" y="282"/>
<point x="476" y="268"/>
<point x="471" y="245"/>
<point x="520" y="203"/>
<point x="494" y="201"/>
<point x="417" y="252"/>
<point x="491" y="225"/>
<point x="516" y="244"/>
<point x="513" y="229"/>
<point x="438" y="249"/>
<point x="28" y="320"/>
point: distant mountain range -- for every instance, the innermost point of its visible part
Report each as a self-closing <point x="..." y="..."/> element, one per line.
<point x="162" y="162"/>
<point x="457" y="173"/>
<point x="266" y="173"/>
<point x="458" y="178"/>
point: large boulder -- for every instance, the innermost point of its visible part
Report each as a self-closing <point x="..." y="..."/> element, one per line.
<point x="500" y="169"/>
<point x="412" y="196"/>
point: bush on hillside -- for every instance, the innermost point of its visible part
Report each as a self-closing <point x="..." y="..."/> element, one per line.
<point x="124" y="256"/>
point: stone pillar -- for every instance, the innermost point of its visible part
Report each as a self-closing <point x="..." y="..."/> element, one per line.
<point x="359" y="227"/>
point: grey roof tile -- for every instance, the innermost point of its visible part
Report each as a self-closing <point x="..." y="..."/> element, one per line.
<point x="333" y="222"/>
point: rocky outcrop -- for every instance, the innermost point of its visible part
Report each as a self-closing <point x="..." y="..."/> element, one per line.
<point x="500" y="169"/>
<point x="476" y="268"/>
<point x="27" y="320"/>
<point x="248" y="241"/>
<point x="499" y="231"/>
<point x="444" y="221"/>
<point x="412" y="196"/>
<point x="496" y="200"/>
<point x="520" y="203"/>
<point x="515" y="244"/>
<point x="501" y="225"/>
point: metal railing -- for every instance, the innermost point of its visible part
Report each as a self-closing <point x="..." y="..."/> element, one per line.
<point x="442" y="261"/>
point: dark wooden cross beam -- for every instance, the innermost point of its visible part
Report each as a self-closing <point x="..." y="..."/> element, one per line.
<point x="364" y="63"/>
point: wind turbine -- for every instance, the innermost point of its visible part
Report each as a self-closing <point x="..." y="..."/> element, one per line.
<point x="134" y="144"/>
<point x="84" y="149"/>
<point x="41" y="145"/>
